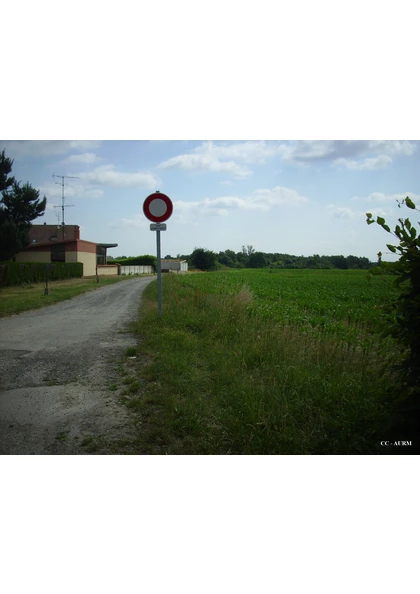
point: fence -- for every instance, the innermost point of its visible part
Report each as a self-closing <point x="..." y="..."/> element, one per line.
<point x="136" y="270"/>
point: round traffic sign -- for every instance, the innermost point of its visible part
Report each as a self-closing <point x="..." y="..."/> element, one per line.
<point x="158" y="207"/>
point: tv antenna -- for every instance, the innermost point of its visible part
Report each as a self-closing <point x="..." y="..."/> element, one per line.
<point x="62" y="184"/>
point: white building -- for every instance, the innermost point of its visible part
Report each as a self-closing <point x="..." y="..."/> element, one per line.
<point x="174" y="265"/>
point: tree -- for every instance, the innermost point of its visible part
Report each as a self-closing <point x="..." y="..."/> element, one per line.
<point x="406" y="327"/>
<point x="227" y="258"/>
<point x="5" y="168"/>
<point x="257" y="260"/>
<point x="9" y="240"/>
<point x="19" y="206"/>
<point x="203" y="259"/>
<point x="339" y="262"/>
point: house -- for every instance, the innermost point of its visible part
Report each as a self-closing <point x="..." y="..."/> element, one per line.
<point x="58" y="243"/>
<point x="174" y="265"/>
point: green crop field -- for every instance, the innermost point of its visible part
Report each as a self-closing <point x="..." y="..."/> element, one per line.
<point x="345" y="304"/>
<point x="260" y="362"/>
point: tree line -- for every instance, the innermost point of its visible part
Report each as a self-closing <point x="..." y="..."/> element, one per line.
<point x="248" y="257"/>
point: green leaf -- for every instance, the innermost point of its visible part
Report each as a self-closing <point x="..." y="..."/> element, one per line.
<point x="386" y="227"/>
<point x="369" y="215"/>
<point x="410" y="203"/>
<point x="380" y="221"/>
<point x="413" y="232"/>
<point x="391" y="247"/>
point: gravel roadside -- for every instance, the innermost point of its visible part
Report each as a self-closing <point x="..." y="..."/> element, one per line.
<point x="56" y="368"/>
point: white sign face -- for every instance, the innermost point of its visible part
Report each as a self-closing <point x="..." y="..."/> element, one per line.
<point x="158" y="227"/>
<point x="158" y="207"/>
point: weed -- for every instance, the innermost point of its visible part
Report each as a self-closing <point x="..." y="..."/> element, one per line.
<point x="131" y="351"/>
<point x="62" y="435"/>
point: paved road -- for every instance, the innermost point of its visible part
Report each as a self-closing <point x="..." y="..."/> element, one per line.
<point x="56" y="365"/>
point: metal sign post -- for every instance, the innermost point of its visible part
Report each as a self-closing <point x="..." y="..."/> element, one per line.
<point x="158" y="228"/>
<point x="158" y="208"/>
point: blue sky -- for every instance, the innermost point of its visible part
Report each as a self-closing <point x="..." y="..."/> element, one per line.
<point x="299" y="197"/>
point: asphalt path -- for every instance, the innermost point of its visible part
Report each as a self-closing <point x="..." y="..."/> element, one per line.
<point x="56" y="369"/>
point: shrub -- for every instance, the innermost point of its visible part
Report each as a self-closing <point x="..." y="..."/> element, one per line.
<point x="406" y="309"/>
<point x="137" y="261"/>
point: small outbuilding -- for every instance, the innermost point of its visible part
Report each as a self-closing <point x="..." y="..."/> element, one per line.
<point x="174" y="265"/>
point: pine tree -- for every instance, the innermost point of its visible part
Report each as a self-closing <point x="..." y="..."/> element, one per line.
<point x="19" y="206"/>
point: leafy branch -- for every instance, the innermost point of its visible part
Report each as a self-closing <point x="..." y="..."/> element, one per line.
<point x="407" y="311"/>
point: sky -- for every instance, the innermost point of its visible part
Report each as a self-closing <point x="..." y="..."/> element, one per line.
<point x="298" y="197"/>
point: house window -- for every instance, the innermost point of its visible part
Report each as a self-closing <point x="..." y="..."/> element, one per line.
<point x="57" y="253"/>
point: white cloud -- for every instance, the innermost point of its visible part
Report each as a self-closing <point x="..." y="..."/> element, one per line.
<point x="368" y="164"/>
<point x="229" y="158"/>
<point x="307" y="150"/>
<point x="233" y="157"/>
<point x="379" y="212"/>
<point x="86" y="158"/>
<point x="386" y="198"/>
<point x="261" y="200"/>
<point x="93" y="193"/>
<point x="54" y="191"/>
<point x="250" y="151"/>
<point x="107" y="175"/>
<point x="393" y="147"/>
<point x="207" y="162"/>
<point x="139" y="222"/>
<point x="45" y="148"/>
<point x="343" y="212"/>
<point x="279" y="196"/>
<point x="333" y="150"/>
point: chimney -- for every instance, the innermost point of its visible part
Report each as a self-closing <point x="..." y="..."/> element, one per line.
<point x="76" y="232"/>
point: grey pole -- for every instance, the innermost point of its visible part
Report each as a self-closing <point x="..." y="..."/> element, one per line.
<point x="159" y="274"/>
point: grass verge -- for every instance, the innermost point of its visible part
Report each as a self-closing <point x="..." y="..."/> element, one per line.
<point x="217" y="380"/>
<point x="14" y="300"/>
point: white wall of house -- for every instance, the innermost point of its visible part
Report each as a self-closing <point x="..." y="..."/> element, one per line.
<point x="107" y="269"/>
<point x="87" y="259"/>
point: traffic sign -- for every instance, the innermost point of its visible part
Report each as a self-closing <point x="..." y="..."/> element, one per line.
<point x="158" y="207"/>
<point x="158" y="227"/>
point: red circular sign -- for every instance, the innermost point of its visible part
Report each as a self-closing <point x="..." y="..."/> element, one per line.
<point x="158" y="207"/>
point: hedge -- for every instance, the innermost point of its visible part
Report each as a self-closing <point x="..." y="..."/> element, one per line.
<point x="17" y="273"/>
<point x="136" y="261"/>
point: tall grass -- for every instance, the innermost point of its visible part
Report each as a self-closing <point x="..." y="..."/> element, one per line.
<point x="225" y="380"/>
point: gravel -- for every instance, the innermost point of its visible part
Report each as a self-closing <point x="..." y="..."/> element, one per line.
<point x="58" y="368"/>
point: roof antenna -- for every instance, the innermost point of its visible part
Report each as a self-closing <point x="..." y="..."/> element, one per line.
<point x="63" y="206"/>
